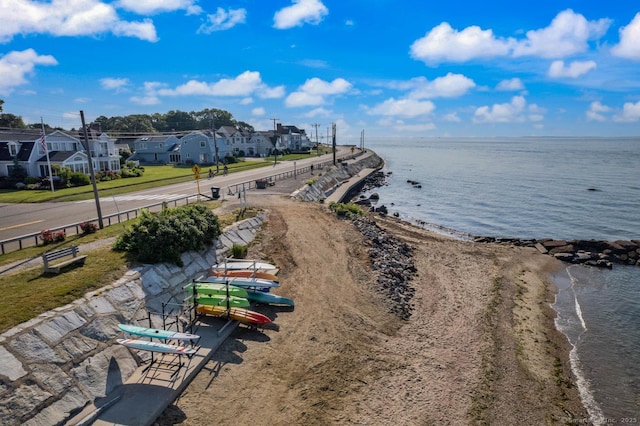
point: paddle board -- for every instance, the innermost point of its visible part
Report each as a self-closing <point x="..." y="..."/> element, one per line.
<point x="156" y="333"/>
<point x="238" y="314"/>
<point x="214" y="288"/>
<point x="246" y="273"/>
<point x="164" y="348"/>
<point x="268" y="298"/>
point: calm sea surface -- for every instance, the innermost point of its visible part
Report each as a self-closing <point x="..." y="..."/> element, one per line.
<point x="563" y="188"/>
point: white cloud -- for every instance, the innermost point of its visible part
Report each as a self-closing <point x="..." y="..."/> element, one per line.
<point x="449" y="86"/>
<point x="271" y="92"/>
<point x="16" y="66"/>
<point x="314" y="92"/>
<point x="144" y="30"/>
<point x="510" y="85"/>
<point x="403" y="108"/>
<point x="301" y="12"/>
<point x="630" y="113"/>
<point x="452" y="117"/>
<point x="114" y="83"/>
<point x="245" y="84"/>
<point x="557" y="69"/>
<point x="595" y="111"/>
<point x="223" y="20"/>
<point x="153" y="7"/>
<point x="318" y="112"/>
<point x="68" y="18"/>
<point x="145" y="100"/>
<point x="258" y="112"/>
<point x="568" y="34"/>
<point x="629" y="46"/>
<point x="443" y="43"/>
<point x="515" y="111"/>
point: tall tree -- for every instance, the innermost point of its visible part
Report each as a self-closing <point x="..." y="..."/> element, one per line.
<point x="12" y="121"/>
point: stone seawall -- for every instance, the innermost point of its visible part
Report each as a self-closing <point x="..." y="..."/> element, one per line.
<point x="55" y="364"/>
<point x="329" y="179"/>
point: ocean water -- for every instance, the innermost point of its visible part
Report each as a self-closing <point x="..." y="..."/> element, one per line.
<point x="562" y="188"/>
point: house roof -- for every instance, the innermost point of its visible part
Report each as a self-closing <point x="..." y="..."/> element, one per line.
<point x="58" y="156"/>
<point x="20" y="135"/>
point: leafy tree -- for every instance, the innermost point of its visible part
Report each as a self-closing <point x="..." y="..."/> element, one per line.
<point x="18" y="172"/>
<point x="12" y="121"/>
<point x="179" y="121"/>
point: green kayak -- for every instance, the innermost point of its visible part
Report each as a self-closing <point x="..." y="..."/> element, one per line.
<point x="212" y="288"/>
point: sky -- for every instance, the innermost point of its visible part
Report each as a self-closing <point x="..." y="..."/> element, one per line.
<point x="390" y="68"/>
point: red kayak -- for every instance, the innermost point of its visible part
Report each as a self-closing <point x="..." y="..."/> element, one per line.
<point x="239" y="314"/>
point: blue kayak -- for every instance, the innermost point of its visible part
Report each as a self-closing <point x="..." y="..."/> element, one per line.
<point x="268" y="298"/>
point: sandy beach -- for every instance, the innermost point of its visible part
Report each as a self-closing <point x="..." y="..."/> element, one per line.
<point x="479" y="348"/>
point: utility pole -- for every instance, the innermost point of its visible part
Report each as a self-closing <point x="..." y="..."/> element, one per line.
<point x="215" y="143"/>
<point x="333" y="128"/>
<point x="275" y="147"/>
<point x="317" y="143"/>
<point x="91" y="172"/>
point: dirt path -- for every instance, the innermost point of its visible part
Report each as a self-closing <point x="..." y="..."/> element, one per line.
<point x="480" y="347"/>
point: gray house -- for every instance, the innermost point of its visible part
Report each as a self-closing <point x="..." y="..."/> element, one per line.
<point x="25" y="147"/>
<point x="157" y="149"/>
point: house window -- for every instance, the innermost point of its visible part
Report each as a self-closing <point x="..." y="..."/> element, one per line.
<point x="160" y="145"/>
<point x="203" y="144"/>
<point x="13" y="150"/>
<point x="143" y="145"/>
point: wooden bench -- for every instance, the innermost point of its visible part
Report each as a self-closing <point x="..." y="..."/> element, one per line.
<point x="70" y="256"/>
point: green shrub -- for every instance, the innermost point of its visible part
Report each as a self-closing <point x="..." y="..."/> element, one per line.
<point x="164" y="236"/>
<point x="31" y="180"/>
<point x="79" y="179"/>
<point x="346" y="210"/>
<point x="238" y="251"/>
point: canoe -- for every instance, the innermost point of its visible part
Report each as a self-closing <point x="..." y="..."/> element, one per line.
<point x="246" y="283"/>
<point x="156" y="333"/>
<point x="145" y="345"/>
<point x="221" y="300"/>
<point x="268" y="298"/>
<point x="238" y="314"/>
<point x="246" y="273"/>
<point x="214" y="288"/>
<point x="252" y="265"/>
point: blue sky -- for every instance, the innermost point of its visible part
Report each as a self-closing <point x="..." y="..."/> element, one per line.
<point x="391" y="68"/>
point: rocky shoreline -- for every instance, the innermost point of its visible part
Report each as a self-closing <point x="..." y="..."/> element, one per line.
<point x="598" y="253"/>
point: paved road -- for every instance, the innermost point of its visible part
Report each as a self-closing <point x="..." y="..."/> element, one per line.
<point x="24" y="219"/>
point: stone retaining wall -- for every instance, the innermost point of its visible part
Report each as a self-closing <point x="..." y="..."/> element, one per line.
<point x="327" y="180"/>
<point x="56" y="363"/>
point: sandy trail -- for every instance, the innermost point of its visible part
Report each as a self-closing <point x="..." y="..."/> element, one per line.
<point x="480" y="347"/>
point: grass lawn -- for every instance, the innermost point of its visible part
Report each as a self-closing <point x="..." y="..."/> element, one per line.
<point x="27" y="294"/>
<point x="154" y="176"/>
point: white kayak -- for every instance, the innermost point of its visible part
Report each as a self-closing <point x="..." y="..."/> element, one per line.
<point x="236" y="264"/>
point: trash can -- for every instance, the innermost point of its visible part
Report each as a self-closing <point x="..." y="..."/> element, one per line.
<point x="261" y="183"/>
<point x="215" y="192"/>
